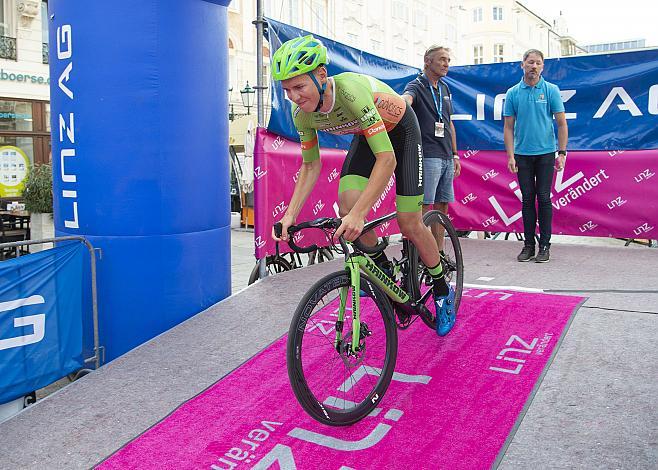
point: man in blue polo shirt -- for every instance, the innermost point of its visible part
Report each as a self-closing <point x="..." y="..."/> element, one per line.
<point x="530" y="106"/>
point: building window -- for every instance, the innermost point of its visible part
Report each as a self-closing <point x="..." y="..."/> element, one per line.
<point x="44" y="32"/>
<point x="477" y="15"/>
<point x="376" y="46"/>
<point x="16" y="116"/>
<point x="319" y="16"/>
<point x="478" y="54"/>
<point x="498" y="52"/>
<point x="498" y="13"/>
<point x="293" y="12"/>
<point x="420" y="20"/>
<point x="24" y="140"/>
<point x="451" y="32"/>
<point x="400" y="11"/>
<point x="401" y="53"/>
<point x="7" y="30"/>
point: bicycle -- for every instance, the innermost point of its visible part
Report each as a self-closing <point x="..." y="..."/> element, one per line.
<point x="340" y="376"/>
<point x="279" y="263"/>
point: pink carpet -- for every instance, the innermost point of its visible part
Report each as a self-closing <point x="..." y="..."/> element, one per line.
<point x="453" y="403"/>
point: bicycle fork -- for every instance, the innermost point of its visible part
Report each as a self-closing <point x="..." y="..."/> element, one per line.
<point x="354" y="265"/>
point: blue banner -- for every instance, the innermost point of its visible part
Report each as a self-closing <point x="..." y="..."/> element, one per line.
<point x="40" y="319"/>
<point x="611" y="100"/>
<point x="342" y="58"/>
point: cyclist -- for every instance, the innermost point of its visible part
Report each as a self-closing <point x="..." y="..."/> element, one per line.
<point x="386" y="140"/>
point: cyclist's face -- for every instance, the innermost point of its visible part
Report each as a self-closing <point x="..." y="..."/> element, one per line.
<point x="302" y="91"/>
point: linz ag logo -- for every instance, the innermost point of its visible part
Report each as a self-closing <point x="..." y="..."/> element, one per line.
<point x="369" y="114"/>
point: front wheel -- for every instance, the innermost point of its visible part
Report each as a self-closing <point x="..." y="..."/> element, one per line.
<point x="452" y="264"/>
<point x="334" y="384"/>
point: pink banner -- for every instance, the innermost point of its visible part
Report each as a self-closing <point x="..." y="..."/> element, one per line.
<point x="276" y="165"/>
<point x="600" y="194"/>
<point x="452" y="403"/>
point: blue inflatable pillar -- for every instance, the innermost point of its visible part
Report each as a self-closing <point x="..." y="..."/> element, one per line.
<point x="139" y="119"/>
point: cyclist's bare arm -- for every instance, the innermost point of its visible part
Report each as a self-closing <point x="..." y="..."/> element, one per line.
<point x="381" y="174"/>
<point x="308" y="176"/>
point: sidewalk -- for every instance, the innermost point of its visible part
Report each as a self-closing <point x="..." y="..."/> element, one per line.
<point x="242" y="257"/>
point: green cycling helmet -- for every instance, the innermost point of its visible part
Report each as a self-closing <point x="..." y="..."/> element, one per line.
<point x="298" y="56"/>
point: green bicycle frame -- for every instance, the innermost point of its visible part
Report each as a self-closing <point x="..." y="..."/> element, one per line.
<point x="354" y="265"/>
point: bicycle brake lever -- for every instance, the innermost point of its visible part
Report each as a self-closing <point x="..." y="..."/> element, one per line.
<point x="278" y="229"/>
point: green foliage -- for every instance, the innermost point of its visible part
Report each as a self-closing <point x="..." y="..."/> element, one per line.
<point x="38" y="192"/>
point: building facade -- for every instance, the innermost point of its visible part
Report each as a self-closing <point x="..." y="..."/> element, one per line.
<point x="502" y="30"/>
<point x="399" y="30"/>
<point x="24" y="91"/>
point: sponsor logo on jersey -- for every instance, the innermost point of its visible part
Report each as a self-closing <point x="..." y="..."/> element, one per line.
<point x="369" y="117"/>
<point x="348" y="96"/>
<point x="340" y="127"/>
<point x="390" y="106"/>
<point x="375" y="129"/>
<point x="310" y="144"/>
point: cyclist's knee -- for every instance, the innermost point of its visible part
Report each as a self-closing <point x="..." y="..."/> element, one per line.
<point x="346" y="201"/>
<point x="410" y="224"/>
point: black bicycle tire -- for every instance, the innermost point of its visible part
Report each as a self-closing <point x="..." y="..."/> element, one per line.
<point x="305" y="397"/>
<point x="413" y="259"/>
<point x="270" y="261"/>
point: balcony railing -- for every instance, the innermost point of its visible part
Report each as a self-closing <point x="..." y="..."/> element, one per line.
<point x="7" y="48"/>
<point x="44" y="52"/>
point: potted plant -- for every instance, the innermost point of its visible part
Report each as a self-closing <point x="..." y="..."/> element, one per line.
<point x="38" y="196"/>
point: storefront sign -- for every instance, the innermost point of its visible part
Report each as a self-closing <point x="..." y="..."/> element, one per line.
<point x="23" y="77"/>
<point x="14" y="168"/>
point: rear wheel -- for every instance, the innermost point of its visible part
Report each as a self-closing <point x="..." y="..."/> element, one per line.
<point x="333" y="384"/>
<point x="452" y="264"/>
<point x="274" y="265"/>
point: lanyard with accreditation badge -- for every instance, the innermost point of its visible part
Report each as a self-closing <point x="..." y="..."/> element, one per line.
<point x="439" y="126"/>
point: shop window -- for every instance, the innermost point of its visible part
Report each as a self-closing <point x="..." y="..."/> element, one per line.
<point x="47" y="118"/>
<point x="16" y="159"/>
<point x="16" y="116"/>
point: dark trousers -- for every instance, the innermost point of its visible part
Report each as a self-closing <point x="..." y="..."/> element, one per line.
<point x="535" y="180"/>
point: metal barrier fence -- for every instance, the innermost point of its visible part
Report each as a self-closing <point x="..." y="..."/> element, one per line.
<point x="98" y="349"/>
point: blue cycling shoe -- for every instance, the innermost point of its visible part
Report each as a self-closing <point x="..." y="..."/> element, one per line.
<point x="445" y="312"/>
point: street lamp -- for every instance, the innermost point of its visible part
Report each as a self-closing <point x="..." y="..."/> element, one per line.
<point x="247" y="92"/>
<point x="231" y="115"/>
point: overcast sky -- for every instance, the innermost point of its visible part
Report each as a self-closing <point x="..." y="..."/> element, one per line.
<point x="596" y="21"/>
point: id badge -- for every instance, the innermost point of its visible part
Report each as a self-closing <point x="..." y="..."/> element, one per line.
<point x="439" y="129"/>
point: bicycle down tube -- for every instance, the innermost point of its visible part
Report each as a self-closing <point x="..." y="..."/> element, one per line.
<point x="355" y="264"/>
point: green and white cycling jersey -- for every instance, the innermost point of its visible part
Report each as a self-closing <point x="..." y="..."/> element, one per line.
<point x="362" y="105"/>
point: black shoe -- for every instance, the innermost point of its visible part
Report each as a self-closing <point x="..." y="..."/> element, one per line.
<point x="543" y="255"/>
<point x="527" y="253"/>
